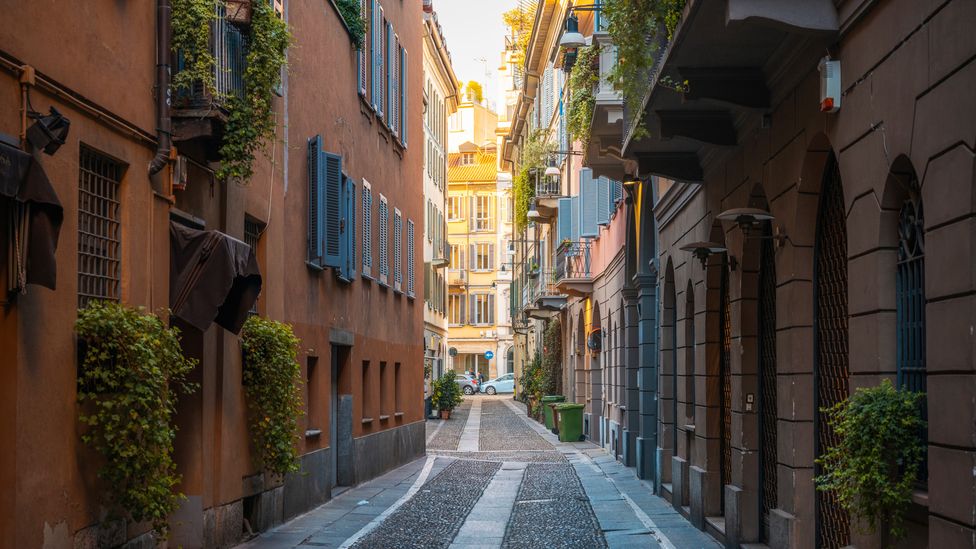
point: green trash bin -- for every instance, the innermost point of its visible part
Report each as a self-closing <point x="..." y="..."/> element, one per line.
<point x="570" y="422"/>
<point x="547" y="410"/>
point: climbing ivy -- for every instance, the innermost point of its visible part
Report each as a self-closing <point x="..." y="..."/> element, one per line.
<point x="584" y="76"/>
<point x="273" y="386"/>
<point x="524" y="191"/>
<point x="132" y="371"/>
<point x="250" y="120"/>
<point x="873" y="469"/>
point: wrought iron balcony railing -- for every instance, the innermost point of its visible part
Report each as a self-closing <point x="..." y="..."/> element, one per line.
<point x="547" y="187"/>
<point x="572" y="261"/>
<point x="229" y="48"/>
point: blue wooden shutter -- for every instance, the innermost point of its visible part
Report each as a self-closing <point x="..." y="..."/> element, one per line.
<point x="616" y="193"/>
<point x="374" y="41"/>
<point x="389" y="65"/>
<point x="603" y="201"/>
<point x="588" y="204"/>
<point x="333" y="210"/>
<point x="384" y="213"/>
<point x="404" y="97"/>
<point x="565" y="227"/>
<point x="379" y="22"/>
<point x="410" y="259"/>
<point x="316" y="209"/>
<point x="367" y="229"/>
<point x="397" y="250"/>
<point x="349" y="238"/>
<point x="574" y="215"/>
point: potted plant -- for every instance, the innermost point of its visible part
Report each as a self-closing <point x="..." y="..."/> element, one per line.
<point x="446" y="395"/>
<point x="533" y="268"/>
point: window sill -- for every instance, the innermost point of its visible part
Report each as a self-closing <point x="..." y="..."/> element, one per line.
<point x="367" y="420"/>
<point x="384" y="417"/>
<point x="313" y="433"/>
<point x="398" y="415"/>
<point x="920" y="497"/>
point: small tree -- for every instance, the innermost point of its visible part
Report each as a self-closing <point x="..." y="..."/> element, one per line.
<point x="873" y="469"/>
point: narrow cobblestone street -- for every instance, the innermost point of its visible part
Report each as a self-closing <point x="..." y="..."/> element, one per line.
<point x="494" y="478"/>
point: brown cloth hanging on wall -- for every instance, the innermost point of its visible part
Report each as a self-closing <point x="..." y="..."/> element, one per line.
<point x="33" y="215"/>
<point x="213" y="277"/>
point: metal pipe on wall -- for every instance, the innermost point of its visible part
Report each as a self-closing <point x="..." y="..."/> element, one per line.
<point x="164" y="124"/>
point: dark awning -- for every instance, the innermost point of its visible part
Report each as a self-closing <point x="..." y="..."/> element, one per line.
<point x="33" y="216"/>
<point x="213" y="277"/>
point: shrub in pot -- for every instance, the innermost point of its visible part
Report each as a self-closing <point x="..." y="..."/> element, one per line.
<point x="446" y="394"/>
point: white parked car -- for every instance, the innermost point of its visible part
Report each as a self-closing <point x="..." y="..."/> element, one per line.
<point x="502" y="384"/>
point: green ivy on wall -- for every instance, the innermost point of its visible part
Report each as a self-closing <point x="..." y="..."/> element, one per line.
<point x="132" y="372"/>
<point x="251" y="118"/>
<point x="273" y="386"/>
<point x="874" y="467"/>
<point x="582" y="79"/>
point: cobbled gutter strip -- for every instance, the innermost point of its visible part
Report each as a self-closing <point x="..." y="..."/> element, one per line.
<point x="434" y="515"/>
<point x="552" y="511"/>
<point x="450" y="434"/>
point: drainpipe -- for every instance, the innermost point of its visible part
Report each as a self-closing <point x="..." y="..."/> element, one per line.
<point x="164" y="124"/>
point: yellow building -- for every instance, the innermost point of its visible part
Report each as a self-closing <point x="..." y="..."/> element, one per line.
<point x="479" y="229"/>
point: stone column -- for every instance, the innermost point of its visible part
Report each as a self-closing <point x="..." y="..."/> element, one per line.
<point x="647" y="374"/>
<point x="631" y="362"/>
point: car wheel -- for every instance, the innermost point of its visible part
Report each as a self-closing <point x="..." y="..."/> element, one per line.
<point x="490" y="390"/>
<point x="468" y="390"/>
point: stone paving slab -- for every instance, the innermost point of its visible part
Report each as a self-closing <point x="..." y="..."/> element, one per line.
<point x="449" y="431"/>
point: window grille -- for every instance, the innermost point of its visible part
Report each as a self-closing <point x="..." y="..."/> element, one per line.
<point x="767" y="383"/>
<point x="99" y="230"/>
<point x="410" y="259"/>
<point x="726" y="380"/>
<point x="252" y="233"/>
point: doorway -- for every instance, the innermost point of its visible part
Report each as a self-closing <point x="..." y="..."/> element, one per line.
<point x="340" y="421"/>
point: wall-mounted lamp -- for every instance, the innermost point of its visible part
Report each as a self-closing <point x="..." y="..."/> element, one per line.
<point x="48" y="131"/>
<point x="533" y="213"/>
<point x="701" y="250"/>
<point x="750" y="220"/>
<point x="572" y="37"/>
<point x="552" y="171"/>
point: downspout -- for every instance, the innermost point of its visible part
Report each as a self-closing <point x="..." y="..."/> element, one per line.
<point x="164" y="124"/>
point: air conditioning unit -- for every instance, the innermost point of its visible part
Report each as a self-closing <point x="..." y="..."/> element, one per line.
<point x="829" y="84"/>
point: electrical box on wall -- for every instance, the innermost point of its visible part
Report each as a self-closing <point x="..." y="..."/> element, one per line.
<point x="829" y="84"/>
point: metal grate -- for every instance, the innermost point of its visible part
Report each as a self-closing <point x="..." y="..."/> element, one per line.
<point x="726" y="379"/>
<point x="832" y="369"/>
<point x="99" y="249"/>
<point x="252" y="233"/>
<point x="910" y="317"/>
<point x="767" y="383"/>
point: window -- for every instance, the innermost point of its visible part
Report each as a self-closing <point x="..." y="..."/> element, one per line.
<point x="457" y="257"/>
<point x="467" y="159"/>
<point x="397" y="250"/>
<point x="482" y="309"/>
<point x="384" y="396"/>
<point x="312" y="413"/>
<point x="367" y="400"/>
<point x="482" y="257"/>
<point x="397" y="390"/>
<point x="482" y="213"/>
<point x="367" y="229"/>
<point x="410" y="259"/>
<point x="404" y="97"/>
<point x="376" y="39"/>
<point x="252" y="233"/>
<point x="456" y="122"/>
<point x="347" y="231"/>
<point x="509" y="209"/>
<point x="362" y="60"/>
<point x="455" y="309"/>
<point x="99" y="234"/>
<point x="454" y="208"/>
<point x="384" y="240"/>
<point x="328" y="202"/>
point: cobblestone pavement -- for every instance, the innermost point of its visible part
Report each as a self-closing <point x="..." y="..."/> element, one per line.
<point x="494" y="478"/>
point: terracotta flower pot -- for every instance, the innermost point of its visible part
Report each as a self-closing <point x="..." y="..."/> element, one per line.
<point x="445" y="414"/>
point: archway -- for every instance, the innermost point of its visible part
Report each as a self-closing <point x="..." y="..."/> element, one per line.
<point x="579" y="358"/>
<point x="715" y="433"/>
<point x="668" y="411"/>
<point x="595" y="342"/>
<point x="831" y="370"/>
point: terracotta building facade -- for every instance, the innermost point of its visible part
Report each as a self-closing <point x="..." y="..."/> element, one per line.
<point x="356" y="116"/>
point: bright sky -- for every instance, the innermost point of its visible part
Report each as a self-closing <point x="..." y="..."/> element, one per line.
<point x="474" y="31"/>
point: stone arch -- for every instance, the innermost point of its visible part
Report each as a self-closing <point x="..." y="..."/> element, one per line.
<point x="579" y="358"/>
<point x="595" y="373"/>
<point x="713" y="432"/>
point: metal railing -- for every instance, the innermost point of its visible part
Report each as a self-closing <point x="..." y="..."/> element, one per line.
<point x="229" y="49"/>
<point x="572" y="260"/>
<point x="547" y="187"/>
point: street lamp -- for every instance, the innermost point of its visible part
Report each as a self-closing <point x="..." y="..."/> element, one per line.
<point x="572" y="37"/>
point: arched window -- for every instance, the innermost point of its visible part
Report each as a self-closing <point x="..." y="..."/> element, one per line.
<point x="910" y="295"/>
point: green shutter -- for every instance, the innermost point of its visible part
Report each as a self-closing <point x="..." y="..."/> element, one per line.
<point x="316" y="209"/>
<point x="333" y="209"/>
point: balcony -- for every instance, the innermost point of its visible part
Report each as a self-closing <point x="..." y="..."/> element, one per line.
<point x="199" y="113"/>
<point x="457" y="278"/>
<point x="572" y="274"/>
<point x="607" y="127"/>
<point x="544" y="300"/>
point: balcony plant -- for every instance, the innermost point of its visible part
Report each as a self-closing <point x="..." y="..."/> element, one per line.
<point x="582" y="80"/>
<point x="272" y="380"/>
<point x="132" y="373"/>
<point x="637" y="28"/>
<point x="251" y="121"/>
<point x="874" y="468"/>
<point x="353" y="18"/>
<point x="536" y="149"/>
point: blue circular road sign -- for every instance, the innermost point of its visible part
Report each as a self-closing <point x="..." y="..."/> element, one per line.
<point x="489" y="355"/>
